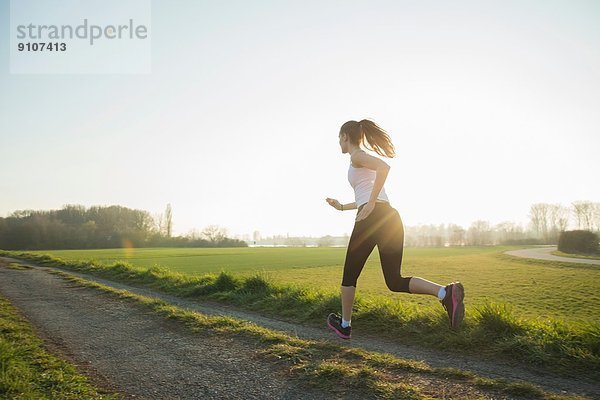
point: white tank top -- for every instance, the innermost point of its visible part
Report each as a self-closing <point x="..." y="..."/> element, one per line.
<point x="362" y="180"/>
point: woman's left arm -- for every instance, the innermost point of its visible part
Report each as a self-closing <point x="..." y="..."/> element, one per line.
<point x="381" y="168"/>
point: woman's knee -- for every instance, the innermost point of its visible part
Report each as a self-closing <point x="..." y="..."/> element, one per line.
<point x="398" y="283"/>
<point x="351" y="274"/>
<point x="349" y="281"/>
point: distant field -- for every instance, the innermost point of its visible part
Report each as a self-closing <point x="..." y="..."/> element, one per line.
<point x="533" y="288"/>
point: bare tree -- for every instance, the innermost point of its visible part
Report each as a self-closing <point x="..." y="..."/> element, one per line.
<point x="596" y="223"/>
<point x="538" y="214"/>
<point x="168" y="225"/>
<point x="479" y="233"/>
<point x="193" y="234"/>
<point x="507" y="231"/>
<point x="457" y="235"/>
<point x="558" y="220"/>
<point x="584" y="213"/>
<point x="159" y="222"/>
<point x="214" y="233"/>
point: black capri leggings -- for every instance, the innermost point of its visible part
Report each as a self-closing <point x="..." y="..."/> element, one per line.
<point x="384" y="228"/>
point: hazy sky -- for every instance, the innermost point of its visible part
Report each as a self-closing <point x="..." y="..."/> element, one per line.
<point x="492" y="106"/>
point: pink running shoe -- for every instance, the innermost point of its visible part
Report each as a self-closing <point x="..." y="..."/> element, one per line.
<point x="334" y="321"/>
<point x="453" y="303"/>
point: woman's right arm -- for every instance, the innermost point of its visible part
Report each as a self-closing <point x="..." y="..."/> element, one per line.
<point x="339" y="206"/>
<point x="349" y="206"/>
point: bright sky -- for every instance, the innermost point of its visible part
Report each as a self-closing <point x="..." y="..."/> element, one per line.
<point x="492" y="106"/>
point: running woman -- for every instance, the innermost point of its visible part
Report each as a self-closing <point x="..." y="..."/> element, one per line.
<point x="378" y="224"/>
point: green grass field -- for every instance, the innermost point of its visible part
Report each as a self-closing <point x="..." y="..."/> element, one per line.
<point x="534" y="288"/>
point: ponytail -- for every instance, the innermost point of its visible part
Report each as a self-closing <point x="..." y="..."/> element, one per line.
<point x="371" y="135"/>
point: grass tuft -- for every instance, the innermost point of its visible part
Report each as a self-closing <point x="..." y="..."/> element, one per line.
<point x="498" y="320"/>
<point x="226" y="282"/>
<point x="257" y="285"/>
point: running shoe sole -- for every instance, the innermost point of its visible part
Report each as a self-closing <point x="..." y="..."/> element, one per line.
<point x="340" y="334"/>
<point x="458" y="307"/>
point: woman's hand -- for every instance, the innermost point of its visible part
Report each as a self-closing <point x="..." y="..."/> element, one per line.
<point x="334" y="203"/>
<point x="365" y="211"/>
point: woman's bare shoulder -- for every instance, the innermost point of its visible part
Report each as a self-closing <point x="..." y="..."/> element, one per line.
<point x="362" y="159"/>
<point x="358" y="157"/>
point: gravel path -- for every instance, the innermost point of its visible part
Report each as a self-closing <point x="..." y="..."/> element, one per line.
<point x="160" y="356"/>
<point x="139" y="353"/>
<point x="543" y="253"/>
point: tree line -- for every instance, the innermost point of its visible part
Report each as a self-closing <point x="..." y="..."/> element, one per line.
<point x="546" y="222"/>
<point x="78" y="227"/>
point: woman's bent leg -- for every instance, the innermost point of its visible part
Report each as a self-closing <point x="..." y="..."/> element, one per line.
<point x="390" y="243"/>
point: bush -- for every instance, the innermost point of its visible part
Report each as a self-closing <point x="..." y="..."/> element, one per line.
<point x="579" y="241"/>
